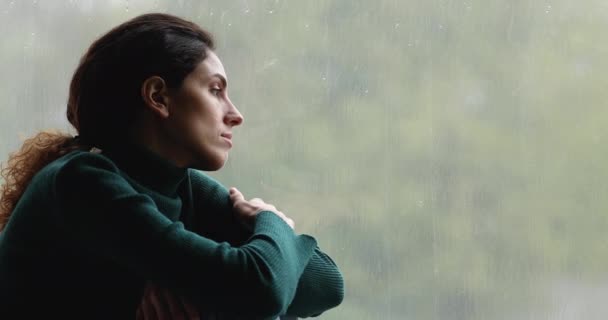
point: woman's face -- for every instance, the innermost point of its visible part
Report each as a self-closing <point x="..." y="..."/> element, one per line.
<point x="201" y="117"/>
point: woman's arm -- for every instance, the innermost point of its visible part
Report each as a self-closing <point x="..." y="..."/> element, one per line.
<point x="108" y="219"/>
<point x="321" y="286"/>
<point x="212" y="213"/>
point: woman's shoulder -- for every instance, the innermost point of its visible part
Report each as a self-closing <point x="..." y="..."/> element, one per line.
<point x="70" y="173"/>
<point x="72" y="165"/>
<point x="204" y="185"/>
<point x="80" y="159"/>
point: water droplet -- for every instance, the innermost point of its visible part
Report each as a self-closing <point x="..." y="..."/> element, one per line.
<point x="397" y="25"/>
<point x="246" y="10"/>
<point x="307" y="26"/>
<point x="230" y="25"/>
<point x="271" y="11"/>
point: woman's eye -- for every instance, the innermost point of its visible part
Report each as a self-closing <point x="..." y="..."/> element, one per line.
<point x="216" y="91"/>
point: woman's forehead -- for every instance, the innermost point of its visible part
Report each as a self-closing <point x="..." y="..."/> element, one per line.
<point x="210" y="66"/>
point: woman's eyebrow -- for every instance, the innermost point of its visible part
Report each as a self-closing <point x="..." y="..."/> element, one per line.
<point x="222" y="79"/>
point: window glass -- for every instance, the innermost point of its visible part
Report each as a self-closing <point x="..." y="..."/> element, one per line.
<point x="449" y="155"/>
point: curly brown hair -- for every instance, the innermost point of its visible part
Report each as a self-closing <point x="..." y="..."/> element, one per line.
<point x="22" y="165"/>
<point x="105" y="94"/>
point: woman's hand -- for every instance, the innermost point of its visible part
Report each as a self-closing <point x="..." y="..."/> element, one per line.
<point x="159" y="303"/>
<point x="247" y="210"/>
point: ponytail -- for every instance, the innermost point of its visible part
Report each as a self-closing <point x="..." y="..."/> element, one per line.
<point x="23" y="164"/>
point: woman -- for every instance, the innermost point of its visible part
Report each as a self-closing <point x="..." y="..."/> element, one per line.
<point x="89" y="221"/>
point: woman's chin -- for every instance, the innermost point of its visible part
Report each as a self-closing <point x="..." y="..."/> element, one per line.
<point x="211" y="164"/>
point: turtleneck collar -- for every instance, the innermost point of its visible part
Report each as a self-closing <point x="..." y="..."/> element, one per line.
<point x="146" y="167"/>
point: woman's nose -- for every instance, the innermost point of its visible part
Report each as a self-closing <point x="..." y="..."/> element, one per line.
<point x="234" y="116"/>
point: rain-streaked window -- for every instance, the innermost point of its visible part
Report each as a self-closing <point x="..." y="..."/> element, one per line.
<point x="449" y="155"/>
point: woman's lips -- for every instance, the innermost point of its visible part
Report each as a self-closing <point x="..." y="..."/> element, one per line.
<point x="228" y="138"/>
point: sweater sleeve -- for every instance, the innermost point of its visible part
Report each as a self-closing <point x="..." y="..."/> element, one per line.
<point x="213" y="214"/>
<point x="109" y="220"/>
<point x="320" y="287"/>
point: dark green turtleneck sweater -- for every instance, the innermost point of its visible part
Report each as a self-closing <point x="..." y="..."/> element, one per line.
<point x="91" y="229"/>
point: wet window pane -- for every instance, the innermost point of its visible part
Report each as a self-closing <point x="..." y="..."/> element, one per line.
<point x="449" y="155"/>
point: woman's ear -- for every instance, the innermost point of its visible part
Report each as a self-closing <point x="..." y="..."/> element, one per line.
<point x="154" y="92"/>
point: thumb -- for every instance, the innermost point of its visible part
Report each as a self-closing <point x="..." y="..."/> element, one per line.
<point x="236" y="195"/>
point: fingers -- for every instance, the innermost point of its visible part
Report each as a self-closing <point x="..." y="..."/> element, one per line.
<point x="190" y="310"/>
<point x="156" y="302"/>
<point x="142" y="313"/>
<point x="147" y="310"/>
<point x="236" y="195"/>
<point x="251" y="208"/>
<point x="257" y="201"/>
<point x="161" y="303"/>
<point x="261" y="205"/>
<point x="174" y="303"/>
